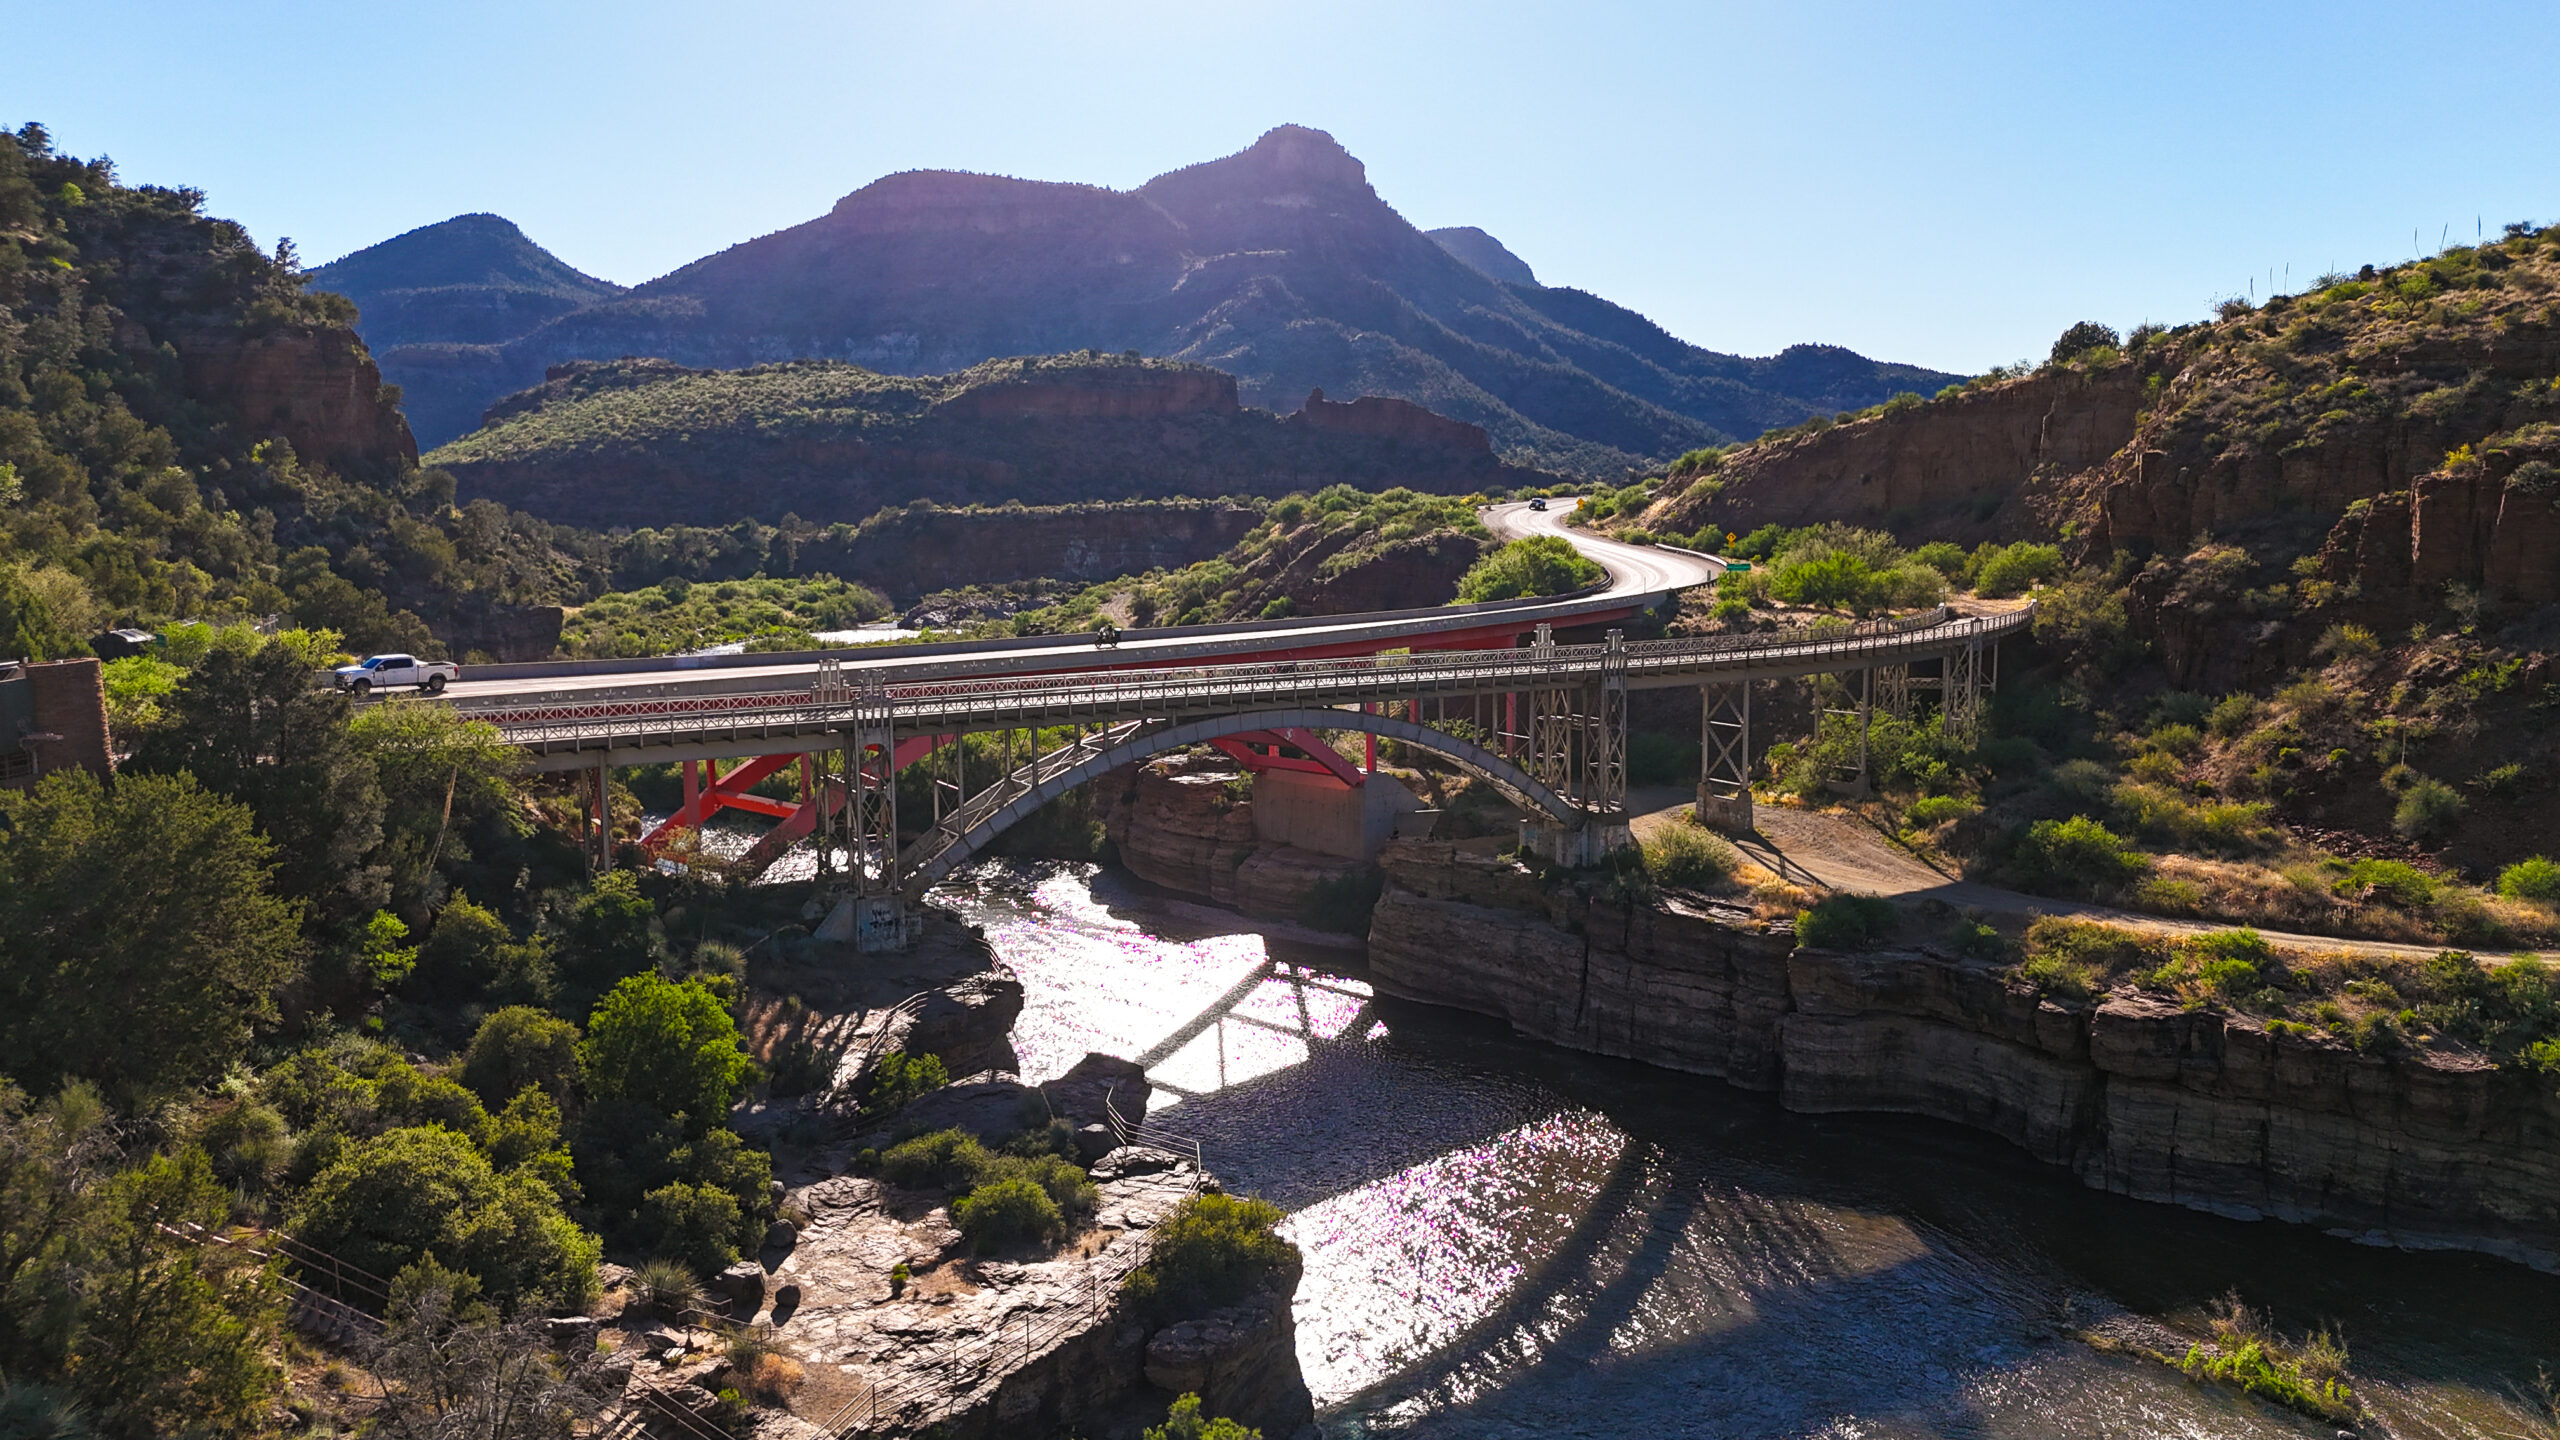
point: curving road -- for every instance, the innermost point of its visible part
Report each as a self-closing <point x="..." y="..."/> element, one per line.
<point x="1633" y="569"/>
<point x="1638" y="576"/>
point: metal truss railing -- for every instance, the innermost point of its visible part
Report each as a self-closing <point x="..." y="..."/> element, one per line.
<point x="1018" y="702"/>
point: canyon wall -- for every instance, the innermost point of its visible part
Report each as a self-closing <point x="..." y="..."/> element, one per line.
<point x="1188" y="827"/>
<point x="314" y="385"/>
<point x="922" y="549"/>
<point x="2134" y="1094"/>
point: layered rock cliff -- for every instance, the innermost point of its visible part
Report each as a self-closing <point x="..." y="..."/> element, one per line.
<point x="1188" y="826"/>
<point x="2135" y="1094"/>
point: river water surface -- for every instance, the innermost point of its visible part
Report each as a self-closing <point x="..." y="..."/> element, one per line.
<point x="1506" y="1240"/>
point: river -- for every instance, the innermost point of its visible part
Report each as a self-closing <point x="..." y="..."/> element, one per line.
<point x="1507" y="1240"/>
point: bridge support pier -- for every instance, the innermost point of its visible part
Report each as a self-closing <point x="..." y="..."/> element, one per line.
<point x="873" y="917"/>
<point x="595" y="816"/>
<point x="1578" y="748"/>
<point x="1852" y="780"/>
<point x="1724" y="753"/>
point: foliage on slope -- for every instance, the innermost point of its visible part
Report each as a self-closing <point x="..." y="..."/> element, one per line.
<point x="1333" y="552"/>
<point x="647" y="441"/>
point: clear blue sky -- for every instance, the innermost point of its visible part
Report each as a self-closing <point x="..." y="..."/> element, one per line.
<point x="1949" y="184"/>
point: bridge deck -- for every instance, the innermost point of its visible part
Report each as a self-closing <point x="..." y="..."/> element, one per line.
<point x="577" y="733"/>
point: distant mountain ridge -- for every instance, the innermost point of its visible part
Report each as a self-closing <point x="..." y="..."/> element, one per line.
<point x="1279" y="264"/>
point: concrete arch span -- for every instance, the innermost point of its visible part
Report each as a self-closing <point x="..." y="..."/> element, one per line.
<point x="938" y="852"/>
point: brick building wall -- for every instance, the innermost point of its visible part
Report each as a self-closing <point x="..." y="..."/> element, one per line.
<point x="62" y="698"/>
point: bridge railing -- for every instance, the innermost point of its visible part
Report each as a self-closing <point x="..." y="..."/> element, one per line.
<point x="1019" y="701"/>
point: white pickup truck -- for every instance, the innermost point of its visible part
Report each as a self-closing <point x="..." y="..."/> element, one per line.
<point x="380" y="670"/>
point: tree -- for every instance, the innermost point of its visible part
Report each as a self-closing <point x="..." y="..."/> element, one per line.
<point x="143" y="941"/>
<point x="521" y="1047"/>
<point x="610" y="932"/>
<point x="425" y="1192"/>
<point x="139" y="1330"/>
<point x="2082" y="338"/>
<point x="667" y="1045"/>
<point x="438" y="772"/>
<point x="454" y="1370"/>
<point x="250" y="724"/>
<point x="174" y="1336"/>
<point x="29" y="629"/>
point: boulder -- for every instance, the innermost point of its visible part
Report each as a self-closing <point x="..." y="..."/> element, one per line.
<point x="990" y="1105"/>
<point x="1079" y="1095"/>
<point x="742" y="1285"/>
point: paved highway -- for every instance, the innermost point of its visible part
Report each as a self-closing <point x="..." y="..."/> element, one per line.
<point x="1637" y="575"/>
<point x="1633" y="569"/>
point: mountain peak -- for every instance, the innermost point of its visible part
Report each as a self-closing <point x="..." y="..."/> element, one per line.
<point x="1287" y="160"/>
<point x="474" y="249"/>
<point x="1303" y="154"/>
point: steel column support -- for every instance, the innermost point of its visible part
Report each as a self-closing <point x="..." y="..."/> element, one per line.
<point x="1724" y="744"/>
<point x="1604" y="751"/>
<point x="1962" y="695"/>
<point x="1893" y="689"/>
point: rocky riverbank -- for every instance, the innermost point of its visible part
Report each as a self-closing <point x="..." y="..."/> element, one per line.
<point x="2133" y="1093"/>
<point x="1027" y="1342"/>
<point x="1187" y="825"/>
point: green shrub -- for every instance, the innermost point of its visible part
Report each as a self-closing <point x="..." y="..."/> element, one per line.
<point x="2055" y="975"/>
<point x="1213" y="1250"/>
<point x="945" y="1159"/>
<point x="2537" y="879"/>
<point x="2390" y="882"/>
<point x="1003" y="1211"/>
<point x="520" y="1046"/>
<point x="2428" y="809"/>
<point x="2227" y="964"/>
<point x="1847" y="922"/>
<point x="693" y="1225"/>
<point x="2233" y="716"/>
<point x="2081" y="339"/>
<point x="1538" y="565"/>
<point x="1939" y="809"/>
<point x="898" y="1078"/>
<point x="390" y="1201"/>
<point x="1185" y="1422"/>
<point x="2076" y="855"/>
<point x="670" y="1045"/>
<point x="2017" y="569"/>
<point x="1686" y="854"/>
<point x="666" y="1288"/>
<point x="1943" y="556"/>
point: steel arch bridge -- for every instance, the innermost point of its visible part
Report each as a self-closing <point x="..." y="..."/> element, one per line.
<point x="957" y="837"/>
<point x="1553" y="718"/>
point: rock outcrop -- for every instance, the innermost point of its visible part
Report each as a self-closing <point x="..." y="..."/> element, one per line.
<point x="313" y="385"/>
<point x="1942" y="471"/>
<point x="1383" y="417"/>
<point x="2134" y="1094"/>
<point x="1187" y="826"/>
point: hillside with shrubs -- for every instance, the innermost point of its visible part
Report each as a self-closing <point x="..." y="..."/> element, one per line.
<point x="2297" y="576"/>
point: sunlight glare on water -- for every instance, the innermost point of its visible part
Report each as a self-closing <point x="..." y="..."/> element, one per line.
<point x="1506" y="1241"/>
